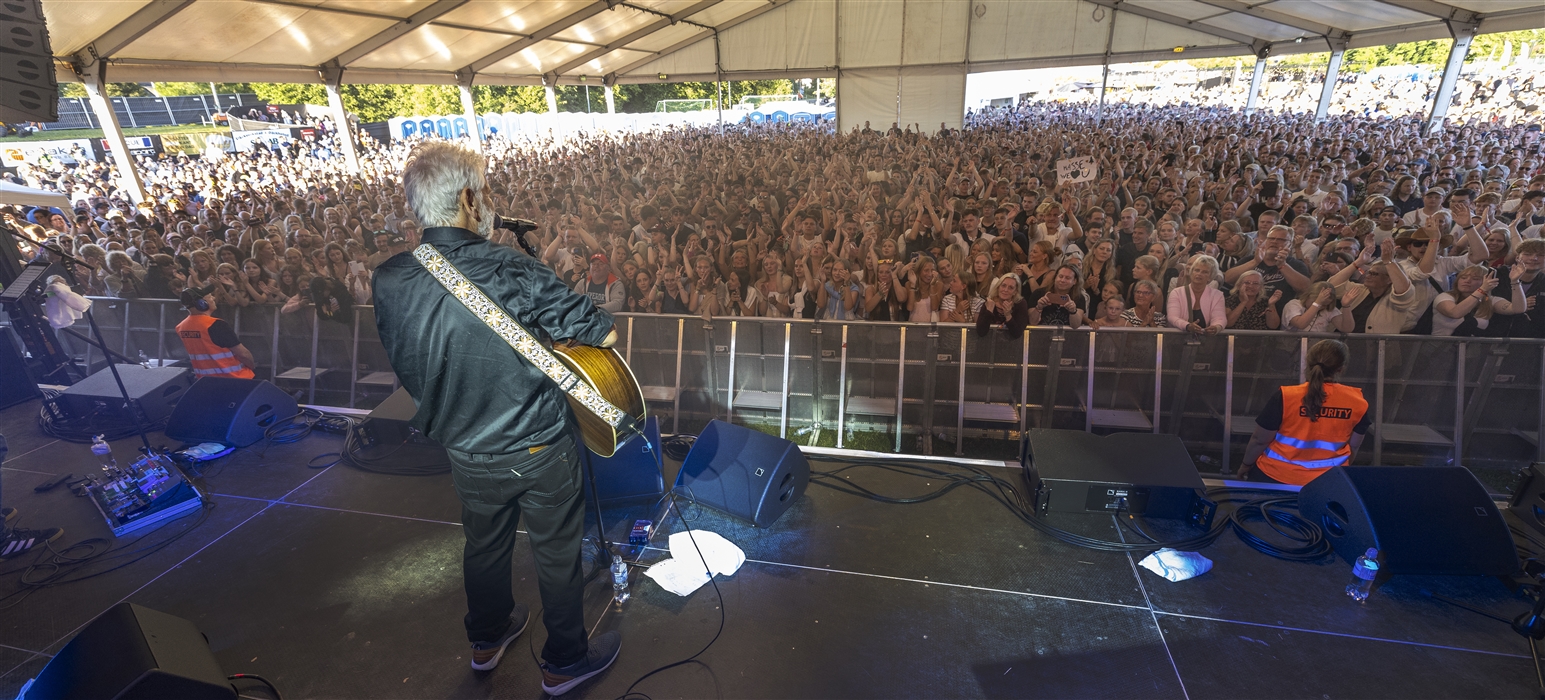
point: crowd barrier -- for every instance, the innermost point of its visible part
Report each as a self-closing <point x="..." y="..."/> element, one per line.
<point x="75" y="112"/>
<point x="941" y="389"/>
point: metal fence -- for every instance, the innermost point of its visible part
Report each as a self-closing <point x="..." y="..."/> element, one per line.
<point x="75" y="112"/>
<point x="941" y="389"/>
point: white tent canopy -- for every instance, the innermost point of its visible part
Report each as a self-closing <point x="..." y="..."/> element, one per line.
<point x="897" y="60"/>
<point x="14" y="194"/>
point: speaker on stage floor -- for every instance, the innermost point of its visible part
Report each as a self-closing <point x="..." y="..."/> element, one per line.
<point x="155" y="389"/>
<point x="16" y="385"/>
<point x="1423" y="520"/>
<point x="744" y="473"/>
<point x="632" y="475"/>
<point x="229" y="411"/>
<point x="134" y="653"/>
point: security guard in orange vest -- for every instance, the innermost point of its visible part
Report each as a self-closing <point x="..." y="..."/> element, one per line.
<point x="212" y="344"/>
<point x="1309" y="428"/>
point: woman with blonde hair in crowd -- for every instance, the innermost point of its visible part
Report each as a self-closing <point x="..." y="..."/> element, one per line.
<point x="228" y="287"/>
<point x="1467" y="309"/>
<point x="1038" y="272"/>
<point x="924" y="290"/>
<point x="776" y="288"/>
<point x="263" y="253"/>
<point x="1099" y="266"/>
<point x="1004" y="308"/>
<point x="1317" y="310"/>
<point x="1248" y="307"/>
<point x="882" y="302"/>
<point x="201" y="268"/>
<point x="1197" y="306"/>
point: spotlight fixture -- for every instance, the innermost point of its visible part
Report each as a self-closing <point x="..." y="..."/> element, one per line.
<point x="1179" y="49"/>
<point x="583" y="78"/>
<point x="662" y="76"/>
<point x="1299" y="40"/>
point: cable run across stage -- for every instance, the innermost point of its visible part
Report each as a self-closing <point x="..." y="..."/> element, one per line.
<point x="1308" y="540"/>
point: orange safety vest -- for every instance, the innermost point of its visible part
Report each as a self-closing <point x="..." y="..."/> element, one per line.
<point x="209" y="359"/>
<point x="1304" y="449"/>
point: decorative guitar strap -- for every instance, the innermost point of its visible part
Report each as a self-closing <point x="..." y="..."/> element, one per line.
<point x="518" y="337"/>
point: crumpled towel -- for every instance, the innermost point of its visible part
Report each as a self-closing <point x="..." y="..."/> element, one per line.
<point x="684" y="572"/>
<point x="64" y="307"/>
<point x="1176" y="565"/>
<point x="206" y="451"/>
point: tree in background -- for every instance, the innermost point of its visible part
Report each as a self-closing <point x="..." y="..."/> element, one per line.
<point x="1432" y="52"/>
<point x="380" y="102"/>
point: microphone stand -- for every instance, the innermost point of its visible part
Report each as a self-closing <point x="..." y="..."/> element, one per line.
<point x="69" y="262"/>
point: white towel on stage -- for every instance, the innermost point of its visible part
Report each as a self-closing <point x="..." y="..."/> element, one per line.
<point x="684" y="571"/>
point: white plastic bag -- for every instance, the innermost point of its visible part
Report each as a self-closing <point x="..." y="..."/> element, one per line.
<point x="1176" y="565"/>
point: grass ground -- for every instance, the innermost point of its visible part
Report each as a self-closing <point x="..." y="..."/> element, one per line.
<point x="63" y="134"/>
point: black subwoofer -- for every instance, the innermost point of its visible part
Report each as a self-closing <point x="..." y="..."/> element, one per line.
<point x="134" y="653"/>
<point x="1423" y="520"/>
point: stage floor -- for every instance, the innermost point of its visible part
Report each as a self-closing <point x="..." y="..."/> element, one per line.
<point x="338" y="583"/>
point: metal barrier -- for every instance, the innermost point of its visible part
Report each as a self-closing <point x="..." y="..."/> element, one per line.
<point x="941" y="389"/>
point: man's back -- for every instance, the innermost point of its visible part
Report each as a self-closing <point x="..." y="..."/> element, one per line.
<point x="474" y="393"/>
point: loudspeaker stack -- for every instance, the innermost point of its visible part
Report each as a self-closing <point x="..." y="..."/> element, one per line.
<point x="29" y="92"/>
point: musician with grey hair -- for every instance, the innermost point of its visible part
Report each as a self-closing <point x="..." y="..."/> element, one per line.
<point x="505" y="426"/>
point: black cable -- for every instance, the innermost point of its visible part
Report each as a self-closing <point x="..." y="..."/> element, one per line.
<point x="255" y="677"/>
<point x="354" y="455"/>
<point x="673" y="446"/>
<point x="677" y="446"/>
<point x="104" y="421"/>
<point x="56" y="567"/>
<point x="629" y="692"/>
<point x="1309" y="542"/>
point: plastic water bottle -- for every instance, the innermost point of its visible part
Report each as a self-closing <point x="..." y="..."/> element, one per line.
<point x="619" y="580"/>
<point x="104" y="453"/>
<point x="1363" y="572"/>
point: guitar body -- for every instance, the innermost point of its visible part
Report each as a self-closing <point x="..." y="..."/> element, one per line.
<point x="605" y="371"/>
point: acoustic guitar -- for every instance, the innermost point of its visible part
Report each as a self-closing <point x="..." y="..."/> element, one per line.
<point x="606" y="372"/>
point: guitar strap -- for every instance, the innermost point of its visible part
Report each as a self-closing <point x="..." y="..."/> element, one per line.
<point x="518" y="337"/>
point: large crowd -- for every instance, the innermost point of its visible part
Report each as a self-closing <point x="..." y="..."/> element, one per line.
<point x="1198" y="218"/>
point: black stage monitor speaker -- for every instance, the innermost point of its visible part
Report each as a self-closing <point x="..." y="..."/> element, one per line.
<point x="1071" y="471"/>
<point x="134" y="653"/>
<point x="156" y="389"/>
<point x="1528" y="502"/>
<point x="388" y="423"/>
<point x="29" y="92"/>
<point x="229" y="411"/>
<point x="16" y="385"/>
<point x="1423" y="520"/>
<point x="632" y="475"/>
<point x="739" y="471"/>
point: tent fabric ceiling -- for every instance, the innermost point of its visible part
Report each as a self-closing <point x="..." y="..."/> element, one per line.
<point x="523" y="42"/>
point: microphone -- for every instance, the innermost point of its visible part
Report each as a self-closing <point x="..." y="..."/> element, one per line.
<point x="519" y="227"/>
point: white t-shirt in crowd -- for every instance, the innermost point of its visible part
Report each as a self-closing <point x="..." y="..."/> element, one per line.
<point x="1320" y="324"/>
